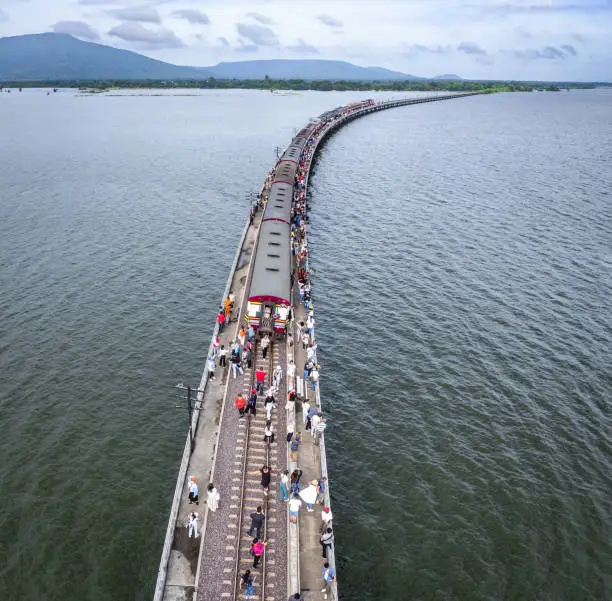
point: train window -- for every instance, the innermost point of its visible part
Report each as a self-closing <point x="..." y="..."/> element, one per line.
<point x="275" y="233"/>
<point x="271" y="269"/>
<point x="273" y="243"/>
<point x="274" y="256"/>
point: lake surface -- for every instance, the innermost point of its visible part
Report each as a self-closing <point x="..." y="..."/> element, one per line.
<point x="462" y="261"/>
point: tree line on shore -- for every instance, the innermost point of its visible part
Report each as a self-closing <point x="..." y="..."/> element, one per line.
<point x="302" y="84"/>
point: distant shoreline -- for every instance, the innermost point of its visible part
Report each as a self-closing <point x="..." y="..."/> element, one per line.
<point x="297" y="85"/>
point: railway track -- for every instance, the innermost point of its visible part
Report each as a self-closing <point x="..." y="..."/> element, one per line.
<point x="254" y="454"/>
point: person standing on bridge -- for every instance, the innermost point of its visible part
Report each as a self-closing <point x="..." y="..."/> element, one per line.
<point x="265" y="343"/>
<point x="277" y="376"/>
<point x="210" y="363"/>
<point x="192" y="525"/>
<point x="240" y="403"/>
<point x="193" y="491"/>
<point x="295" y="445"/>
<point x="222" y="356"/>
<point x="329" y="576"/>
<point x="290" y="373"/>
<point x="284" y="486"/>
<point x="252" y="404"/>
<point x="213" y="497"/>
<point x="260" y="377"/>
<point x="236" y="366"/>
<point x="246" y="584"/>
<point x="327" y="540"/>
<point x="242" y="336"/>
<point x="257" y="520"/>
<point x="269" y="433"/>
<point x="294" y="508"/>
<point x="221" y="320"/>
<point x="257" y="550"/>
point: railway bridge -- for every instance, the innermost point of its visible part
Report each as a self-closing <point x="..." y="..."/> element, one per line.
<point x="230" y="450"/>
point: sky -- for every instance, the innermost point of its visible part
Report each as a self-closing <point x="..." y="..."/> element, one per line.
<point x="550" y="40"/>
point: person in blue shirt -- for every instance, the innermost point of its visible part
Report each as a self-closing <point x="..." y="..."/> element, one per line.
<point x="329" y="575"/>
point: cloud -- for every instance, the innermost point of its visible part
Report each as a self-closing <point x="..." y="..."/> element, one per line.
<point x="96" y="2"/>
<point x="3" y="15"/>
<point x="135" y="32"/>
<point x="327" y="20"/>
<point x="261" y="18"/>
<point x="223" y="41"/>
<point x="470" y="48"/>
<point x="569" y="49"/>
<point x="257" y="34"/>
<point x="192" y="15"/>
<point x="79" y="29"/>
<point x="139" y="14"/>
<point x="436" y="49"/>
<point x="558" y="6"/>
<point x="302" y="47"/>
<point x="548" y="53"/>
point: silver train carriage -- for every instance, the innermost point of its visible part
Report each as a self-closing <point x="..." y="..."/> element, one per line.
<point x="270" y="292"/>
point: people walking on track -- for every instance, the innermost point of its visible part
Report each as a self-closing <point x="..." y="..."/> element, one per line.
<point x="277" y="376"/>
<point x="257" y="520"/>
<point x="252" y="404"/>
<point x="246" y="584"/>
<point x="260" y="377"/>
<point x="257" y="549"/>
<point x="212" y="497"/>
<point x="265" y="343"/>
<point x="284" y="486"/>
<point x="269" y="433"/>
<point x="240" y="404"/>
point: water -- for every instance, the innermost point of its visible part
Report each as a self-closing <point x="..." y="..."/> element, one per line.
<point x="462" y="291"/>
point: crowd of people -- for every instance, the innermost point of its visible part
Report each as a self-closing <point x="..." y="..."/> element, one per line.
<point x="239" y="356"/>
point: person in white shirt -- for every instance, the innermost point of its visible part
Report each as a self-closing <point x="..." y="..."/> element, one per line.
<point x="290" y="373"/>
<point x="277" y="376"/>
<point x="314" y="422"/>
<point x="294" y="507"/>
<point x="192" y="525"/>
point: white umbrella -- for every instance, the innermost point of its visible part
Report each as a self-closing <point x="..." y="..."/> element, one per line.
<point x="309" y="494"/>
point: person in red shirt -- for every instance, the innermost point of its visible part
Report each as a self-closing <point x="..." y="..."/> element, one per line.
<point x="240" y="404"/>
<point x="260" y="376"/>
<point x="221" y="320"/>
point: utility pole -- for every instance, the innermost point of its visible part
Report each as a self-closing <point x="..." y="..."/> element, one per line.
<point x="190" y="409"/>
<point x="277" y="150"/>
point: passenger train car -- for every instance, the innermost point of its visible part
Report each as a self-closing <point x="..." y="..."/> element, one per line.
<point x="270" y="291"/>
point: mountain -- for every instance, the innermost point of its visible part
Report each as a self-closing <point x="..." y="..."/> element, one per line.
<point x="449" y="77"/>
<point x="304" y="69"/>
<point x="57" y="56"/>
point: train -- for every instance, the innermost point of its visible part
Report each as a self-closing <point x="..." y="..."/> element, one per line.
<point x="269" y="300"/>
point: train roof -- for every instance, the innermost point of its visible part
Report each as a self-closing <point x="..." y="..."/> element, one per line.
<point x="292" y="153"/>
<point x="279" y="202"/>
<point x="285" y="172"/>
<point x="272" y="268"/>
